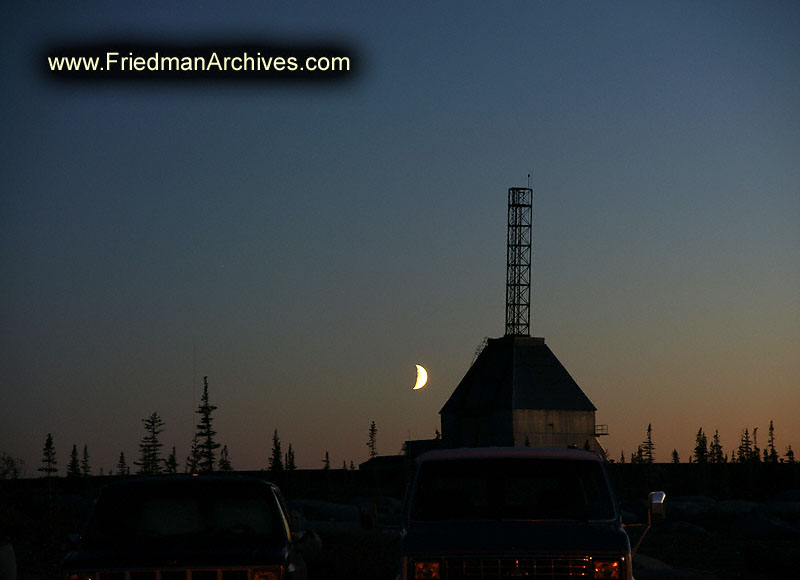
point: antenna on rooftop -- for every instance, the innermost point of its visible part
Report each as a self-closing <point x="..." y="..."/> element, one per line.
<point x="518" y="260"/>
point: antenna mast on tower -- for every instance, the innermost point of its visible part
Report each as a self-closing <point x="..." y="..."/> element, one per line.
<point x="518" y="260"/>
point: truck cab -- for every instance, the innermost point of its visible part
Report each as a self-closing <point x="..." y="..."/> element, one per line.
<point x="512" y="512"/>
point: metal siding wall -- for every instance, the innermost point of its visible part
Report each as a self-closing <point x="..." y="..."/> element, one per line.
<point x="492" y="430"/>
<point x="546" y="428"/>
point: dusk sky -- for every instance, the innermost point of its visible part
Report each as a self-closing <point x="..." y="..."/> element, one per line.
<point x="304" y="245"/>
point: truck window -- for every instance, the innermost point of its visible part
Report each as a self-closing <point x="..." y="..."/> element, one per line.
<point x="533" y="489"/>
<point x="179" y="514"/>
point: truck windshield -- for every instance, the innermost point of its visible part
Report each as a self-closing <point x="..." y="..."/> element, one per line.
<point x="530" y="489"/>
<point x="178" y="514"/>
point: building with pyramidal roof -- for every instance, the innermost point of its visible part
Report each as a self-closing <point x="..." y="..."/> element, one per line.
<point x="517" y="392"/>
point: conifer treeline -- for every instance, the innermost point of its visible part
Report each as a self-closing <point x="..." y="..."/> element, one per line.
<point x="202" y="457"/>
<point x="747" y="451"/>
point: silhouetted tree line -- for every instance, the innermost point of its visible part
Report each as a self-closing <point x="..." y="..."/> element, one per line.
<point x="151" y="461"/>
<point x="747" y="451"/>
<point x="202" y="457"/>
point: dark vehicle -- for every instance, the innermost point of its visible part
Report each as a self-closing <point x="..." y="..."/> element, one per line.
<point x="516" y="512"/>
<point x="187" y="528"/>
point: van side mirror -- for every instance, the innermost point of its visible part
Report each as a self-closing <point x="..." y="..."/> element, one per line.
<point x="656" y="512"/>
<point x="656" y="507"/>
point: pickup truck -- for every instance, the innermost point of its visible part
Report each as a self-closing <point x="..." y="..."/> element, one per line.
<point x="504" y="513"/>
<point x="187" y="528"/>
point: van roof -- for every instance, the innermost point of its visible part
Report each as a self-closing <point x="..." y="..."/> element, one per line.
<point x="508" y="453"/>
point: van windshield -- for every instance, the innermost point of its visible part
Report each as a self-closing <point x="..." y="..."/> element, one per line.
<point x="529" y="489"/>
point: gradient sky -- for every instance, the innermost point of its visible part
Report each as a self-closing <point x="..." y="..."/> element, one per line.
<point x="305" y="245"/>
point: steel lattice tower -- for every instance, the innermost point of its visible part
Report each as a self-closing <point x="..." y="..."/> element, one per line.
<point x="518" y="261"/>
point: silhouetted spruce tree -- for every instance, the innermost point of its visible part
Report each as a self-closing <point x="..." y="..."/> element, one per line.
<point x="715" y="451"/>
<point x="352" y="465"/>
<point x="789" y="454"/>
<point x="206" y="445"/>
<point x="86" y="468"/>
<point x="745" y="451"/>
<point x="150" y="447"/>
<point x="225" y="460"/>
<point x="193" y="459"/>
<point x="74" y="466"/>
<point x="326" y="463"/>
<point x="675" y="457"/>
<point x="290" y="463"/>
<point x="647" y="447"/>
<point x="122" y="465"/>
<point x="49" y="462"/>
<point x="701" y="447"/>
<point x="276" y="459"/>
<point x="171" y="462"/>
<point x="771" y="452"/>
<point x="372" y="441"/>
<point x="755" y="456"/>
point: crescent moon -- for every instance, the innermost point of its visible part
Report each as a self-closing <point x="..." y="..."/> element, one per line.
<point x="422" y="377"/>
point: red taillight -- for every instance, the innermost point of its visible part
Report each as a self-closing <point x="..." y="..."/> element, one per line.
<point x="427" y="570"/>
<point x="608" y="569"/>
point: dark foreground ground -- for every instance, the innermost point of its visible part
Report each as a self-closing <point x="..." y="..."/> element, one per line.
<point x="702" y="538"/>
